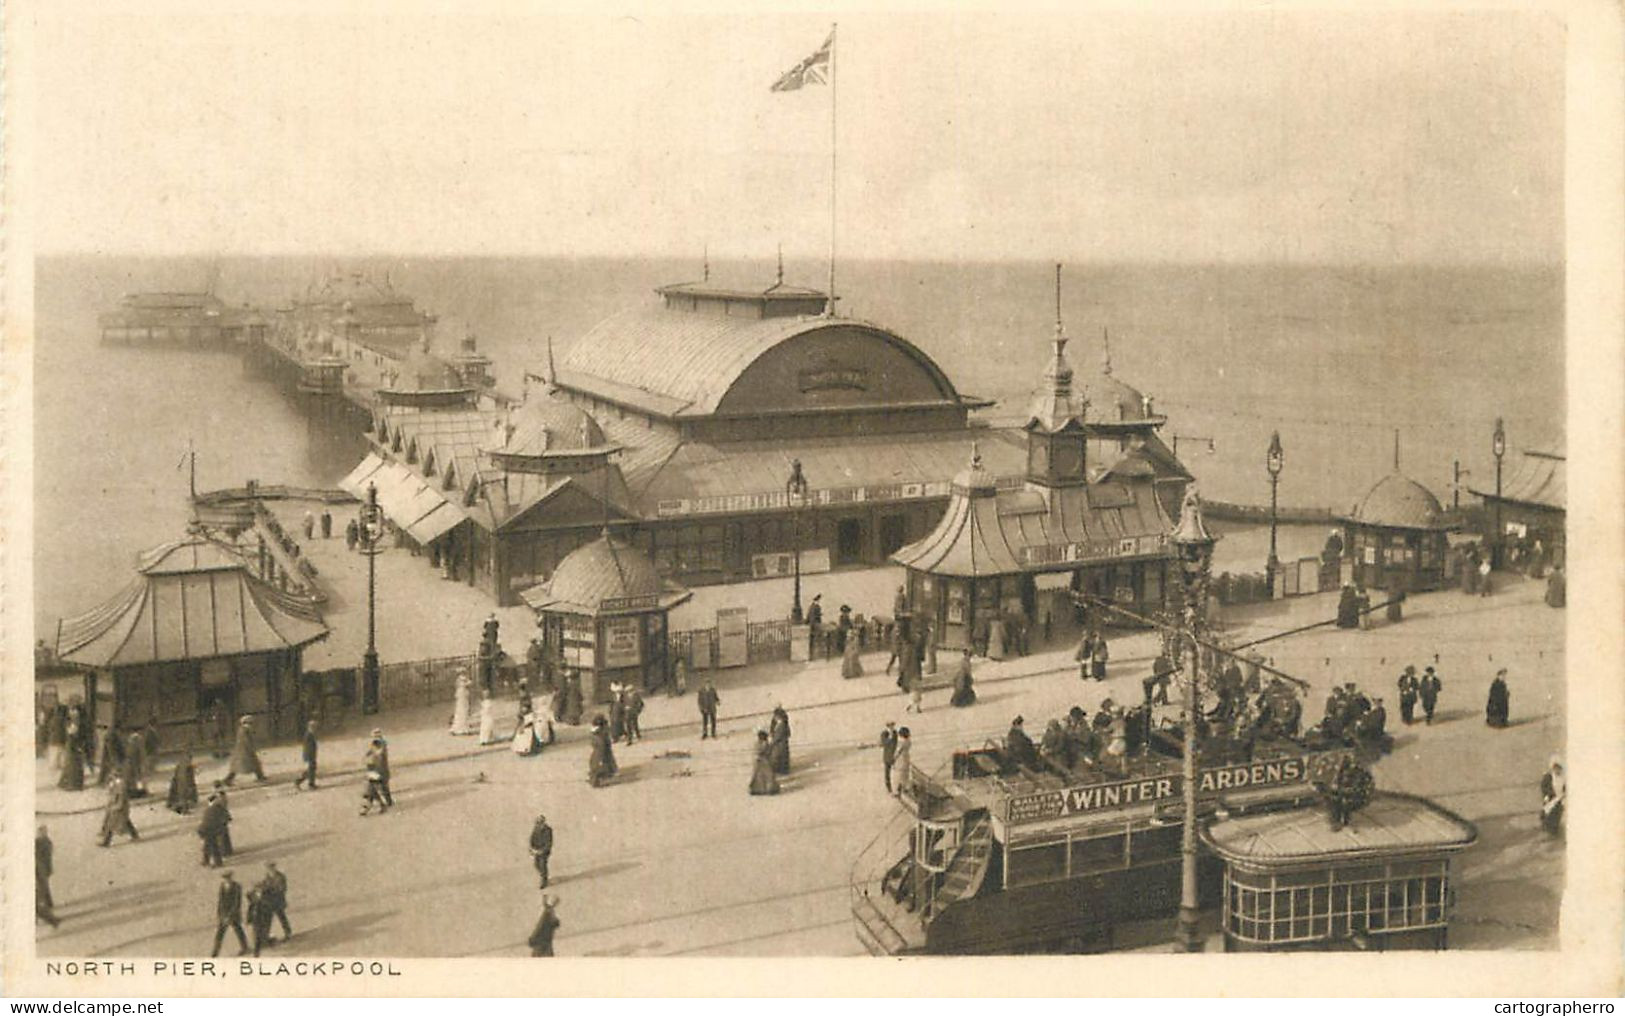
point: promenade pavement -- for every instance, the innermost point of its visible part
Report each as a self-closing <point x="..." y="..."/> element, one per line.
<point x="674" y="857"/>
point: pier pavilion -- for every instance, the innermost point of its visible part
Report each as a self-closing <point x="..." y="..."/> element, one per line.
<point x="360" y="310"/>
<point x="1531" y="503"/>
<point x="194" y="632"/>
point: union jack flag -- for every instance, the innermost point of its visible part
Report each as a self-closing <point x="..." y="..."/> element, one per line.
<point x="812" y="71"/>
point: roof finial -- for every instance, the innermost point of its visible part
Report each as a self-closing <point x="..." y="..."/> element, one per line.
<point x="705" y="268"/>
<point x="780" y="281"/>
<point x="552" y="372"/>
<point x="1060" y="335"/>
<point x="975" y="455"/>
<point x="1396" y="449"/>
<point x="1106" y="350"/>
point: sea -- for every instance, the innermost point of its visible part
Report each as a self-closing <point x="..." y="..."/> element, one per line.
<point x="1354" y="366"/>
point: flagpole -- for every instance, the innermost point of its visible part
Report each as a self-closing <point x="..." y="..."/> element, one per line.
<point x="829" y="307"/>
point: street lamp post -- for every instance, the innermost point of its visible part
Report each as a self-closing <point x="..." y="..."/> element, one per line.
<point x="1194" y="547"/>
<point x="371" y="530"/>
<point x="1273" y="462"/>
<point x="1498" y="444"/>
<point x="795" y="488"/>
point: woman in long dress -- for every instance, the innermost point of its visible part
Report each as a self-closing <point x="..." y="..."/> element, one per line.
<point x="56" y="737"/>
<point x="73" y="759"/>
<point x="182" y="796"/>
<point x="572" y="702"/>
<point x="1499" y="704"/>
<point x="601" y="763"/>
<point x="459" y="709"/>
<point x="995" y="638"/>
<point x="1553" y="790"/>
<point x="488" y="720"/>
<point x="851" y="665"/>
<point x="900" y="762"/>
<point x="964" y="685"/>
<point x="762" y="779"/>
<point x="779" y="736"/>
<point x="527" y="740"/>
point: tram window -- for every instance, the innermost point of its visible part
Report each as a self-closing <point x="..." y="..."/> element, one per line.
<point x="1100" y="853"/>
<point x="1156" y="844"/>
<point x="1041" y="863"/>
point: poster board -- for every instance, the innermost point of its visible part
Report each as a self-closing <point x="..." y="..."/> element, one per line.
<point x="623" y="642"/>
<point x="800" y="643"/>
<point x="1308" y="575"/>
<point x="733" y="648"/>
<point x="699" y="649"/>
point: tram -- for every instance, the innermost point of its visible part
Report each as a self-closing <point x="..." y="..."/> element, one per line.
<point x="996" y="857"/>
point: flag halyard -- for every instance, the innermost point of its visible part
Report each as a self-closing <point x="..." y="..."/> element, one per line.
<point x="814" y="70"/>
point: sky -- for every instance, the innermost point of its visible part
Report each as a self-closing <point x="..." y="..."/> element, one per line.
<point x="1292" y="136"/>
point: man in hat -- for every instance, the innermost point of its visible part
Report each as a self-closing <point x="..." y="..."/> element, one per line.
<point x="541" y="939"/>
<point x="1156" y="686"/>
<point x="541" y="846"/>
<point x="116" y="818"/>
<point x="708" y="701"/>
<point x="211" y="829"/>
<point x="1499" y="705"/>
<point x="815" y="624"/>
<point x="327" y="523"/>
<point x="307" y="754"/>
<point x="601" y="762"/>
<point x="245" y="758"/>
<point x="634" y="710"/>
<point x="1428" y="690"/>
<point x="228" y="913"/>
<point x="274" y="888"/>
<point x="888" y="750"/>
<point x="1407" y="695"/>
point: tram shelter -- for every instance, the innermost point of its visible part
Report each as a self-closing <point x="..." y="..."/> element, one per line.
<point x="603" y="612"/>
<point x="1382" y="882"/>
<point x="1397" y="535"/>
<point x="194" y="632"/>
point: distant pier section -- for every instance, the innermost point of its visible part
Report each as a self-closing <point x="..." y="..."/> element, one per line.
<point x="188" y="320"/>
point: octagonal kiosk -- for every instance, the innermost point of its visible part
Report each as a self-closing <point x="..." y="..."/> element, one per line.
<point x="603" y="612"/>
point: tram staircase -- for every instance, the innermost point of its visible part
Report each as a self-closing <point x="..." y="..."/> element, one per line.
<point x="893" y="909"/>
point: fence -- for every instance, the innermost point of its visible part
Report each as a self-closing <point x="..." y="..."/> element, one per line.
<point x="765" y="641"/>
<point x="1303" y="577"/>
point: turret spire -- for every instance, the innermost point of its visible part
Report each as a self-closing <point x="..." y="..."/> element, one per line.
<point x="1052" y="407"/>
<point x="780" y="280"/>
<point x="1106" y="350"/>
<point x="552" y="372"/>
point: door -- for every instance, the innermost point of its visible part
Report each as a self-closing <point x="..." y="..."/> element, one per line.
<point x="849" y="541"/>
<point x="893" y="534"/>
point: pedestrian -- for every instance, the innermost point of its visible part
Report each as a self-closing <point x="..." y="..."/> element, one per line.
<point x="116" y="816"/>
<point x="182" y="795"/>
<point x="929" y="641"/>
<point x="1556" y="587"/>
<point x="276" y="897"/>
<point x="228" y="913"/>
<point x="617" y="712"/>
<point x="327" y="523"/>
<point x="572" y="701"/>
<point x="1553" y="790"/>
<point x="541" y="939"/>
<point x="708" y="701"/>
<point x="56" y="737"/>
<point x="383" y="766"/>
<point x="374" y="792"/>
<point x="259" y="917"/>
<point x="225" y="834"/>
<point x="911" y="678"/>
<point x="1428" y="690"/>
<point x="541" y="846"/>
<point x="1156" y="686"/>
<point x="44" y="905"/>
<point x="1097" y="662"/>
<point x="1348" y="607"/>
<point x="1499" y="704"/>
<point x="1085" y="655"/>
<point x="779" y="734"/>
<point x="488" y="719"/>
<point x="211" y="830"/>
<point x="901" y="763"/>
<point x="459" y="704"/>
<point x="995" y="638"/>
<point x="307" y="755"/>
<point x="352" y="535"/>
<point x="310" y="524"/>
<point x="111" y="757"/>
<point x="245" y="758"/>
<point x="634" y="710"/>
<point x="899" y="647"/>
<point x="1407" y="695"/>
<point x="135" y="764"/>
<point x="815" y="624"/>
<point x="601" y="763"/>
<point x="1362" y="601"/>
<point x="964" y="685"/>
<point x="679" y="676"/>
<point x="851" y="663"/>
<point x="1484" y="576"/>
<point x="888" y="750"/>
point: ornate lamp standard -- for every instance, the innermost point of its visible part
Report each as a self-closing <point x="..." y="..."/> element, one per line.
<point x="1273" y="461"/>
<point x="371" y="530"/>
<point x="795" y="489"/>
<point x="1498" y="445"/>
<point x="1194" y="548"/>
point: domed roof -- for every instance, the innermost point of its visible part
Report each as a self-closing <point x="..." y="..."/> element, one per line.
<point x="1113" y="401"/>
<point x="1400" y="502"/>
<point x="974" y="479"/>
<point x="546" y="424"/>
<point x="423" y="371"/>
<point x="606" y="569"/>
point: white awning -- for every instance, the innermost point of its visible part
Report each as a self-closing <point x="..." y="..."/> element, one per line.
<point x="1045" y="581"/>
<point x="410" y="501"/>
<point x="356" y="482"/>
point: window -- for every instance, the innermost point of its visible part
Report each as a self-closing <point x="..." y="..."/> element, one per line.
<point x="1317" y="905"/>
<point x="1040" y="862"/>
<point x="1100" y="853"/>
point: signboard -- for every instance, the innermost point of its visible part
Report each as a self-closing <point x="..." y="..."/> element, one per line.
<point x="783" y="565"/>
<point x="823" y="378"/>
<point x="1101" y="797"/>
<point x="645" y="602"/>
<point x="1094" y="550"/>
<point x="733" y="649"/>
<point x="779" y="500"/>
<point x="800" y="643"/>
<point x="623" y="642"/>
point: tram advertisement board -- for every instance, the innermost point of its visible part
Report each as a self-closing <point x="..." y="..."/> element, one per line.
<point x="1051" y="804"/>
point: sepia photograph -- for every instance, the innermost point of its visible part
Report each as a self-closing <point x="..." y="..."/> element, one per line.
<point x="805" y="484"/>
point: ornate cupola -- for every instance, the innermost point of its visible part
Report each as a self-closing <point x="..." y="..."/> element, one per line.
<point x="1056" y="437"/>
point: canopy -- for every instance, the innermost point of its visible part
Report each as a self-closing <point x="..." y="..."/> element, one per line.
<point x="410" y="501"/>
